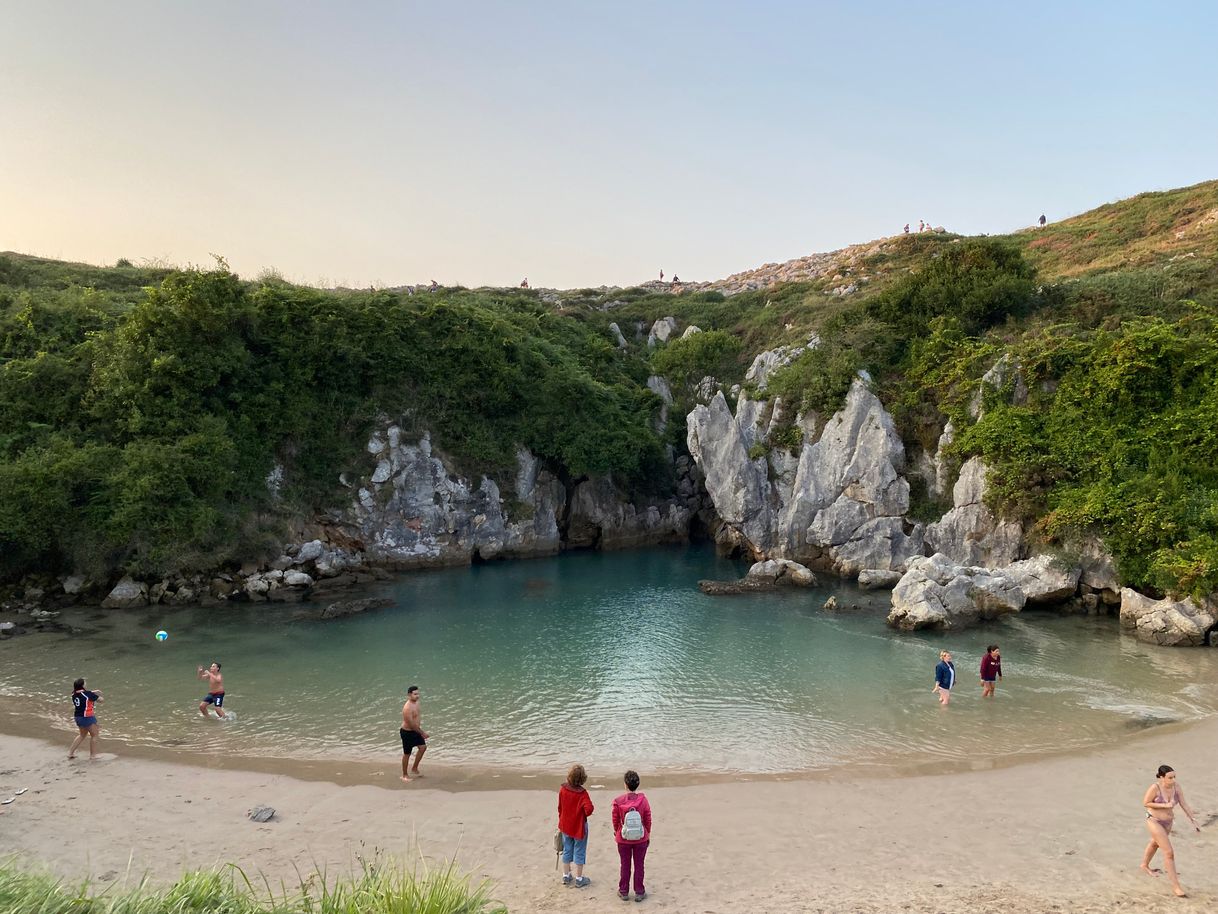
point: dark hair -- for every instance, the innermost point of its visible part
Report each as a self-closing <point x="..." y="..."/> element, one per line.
<point x="1164" y="769"/>
<point x="411" y="689"/>
<point x="217" y="663"/>
<point x="632" y="780"/>
<point x="577" y="776"/>
<point x="78" y="685"/>
<point x="991" y="648"/>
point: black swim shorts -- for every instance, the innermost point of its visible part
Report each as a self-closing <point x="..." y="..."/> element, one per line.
<point x="410" y="739"/>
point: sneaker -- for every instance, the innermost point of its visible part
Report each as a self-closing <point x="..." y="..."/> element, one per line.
<point x="640" y="897"/>
<point x="625" y="896"/>
<point x="566" y="879"/>
<point x="581" y="881"/>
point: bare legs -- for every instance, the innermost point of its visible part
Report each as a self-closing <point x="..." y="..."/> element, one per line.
<point x="987" y="689"/>
<point x="1159" y="840"/>
<point x="406" y="769"/>
<point x="90" y="731"/>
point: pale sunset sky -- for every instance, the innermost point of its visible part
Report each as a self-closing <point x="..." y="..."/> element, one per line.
<point x="578" y="144"/>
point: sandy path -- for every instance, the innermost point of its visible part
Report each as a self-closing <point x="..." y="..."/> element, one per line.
<point x="1063" y="832"/>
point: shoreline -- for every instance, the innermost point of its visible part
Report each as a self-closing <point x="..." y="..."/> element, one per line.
<point x="352" y="771"/>
<point x="1065" y="831"/>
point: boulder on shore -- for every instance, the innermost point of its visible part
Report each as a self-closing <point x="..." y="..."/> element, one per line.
<point x="763" y="576"/>
<point x="126" y="593"/>
<point x="1175" y="623"/>
<point x="937" y="593"/>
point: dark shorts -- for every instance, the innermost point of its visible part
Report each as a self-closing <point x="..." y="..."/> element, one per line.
<point x="990" y="681"/>
<point x="86" y="722"/>
<point x="214" y="698"/>
<point x="410" y="739"/>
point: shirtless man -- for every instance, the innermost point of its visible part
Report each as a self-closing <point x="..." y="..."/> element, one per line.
<point x="413" y="733"/>
<point x="215" y="690"/>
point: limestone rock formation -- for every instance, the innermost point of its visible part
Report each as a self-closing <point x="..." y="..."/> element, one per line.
<point x="416" y="512"/>
<point x="936" y="592"/>
<point x="969" y="534"/>
<point x="1043" y="579"/>
<point x="763" y="576"/>
<point x="1176" y="623"/>
<point x="839" y="505"/>
<point x="661" y="330"/>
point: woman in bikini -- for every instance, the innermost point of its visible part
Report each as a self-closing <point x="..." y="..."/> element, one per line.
<point x="1161" y="800"/>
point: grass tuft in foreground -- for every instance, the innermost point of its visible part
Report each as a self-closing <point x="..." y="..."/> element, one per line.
<point x="380" y="889"/>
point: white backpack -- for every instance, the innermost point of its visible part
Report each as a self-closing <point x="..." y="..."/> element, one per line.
<point x="632" y="826"/>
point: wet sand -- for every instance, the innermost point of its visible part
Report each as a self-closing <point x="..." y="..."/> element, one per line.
<point x="1065" y="831"/>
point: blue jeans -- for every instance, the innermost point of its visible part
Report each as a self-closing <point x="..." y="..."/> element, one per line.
<point x="575" y="849"/>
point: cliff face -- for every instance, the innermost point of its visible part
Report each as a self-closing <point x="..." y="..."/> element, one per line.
<point x="411" y="510"/>
<point x="840" y="505"/>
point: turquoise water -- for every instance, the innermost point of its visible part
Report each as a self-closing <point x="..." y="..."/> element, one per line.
<point x="614" y="659"/>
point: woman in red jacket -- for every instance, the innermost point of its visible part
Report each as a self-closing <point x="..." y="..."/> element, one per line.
<point x="574" y="807"/>
<point x="633" y="836"/>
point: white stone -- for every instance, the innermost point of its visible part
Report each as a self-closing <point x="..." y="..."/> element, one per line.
<point x="1174" y="623"/>
<point x="1043" y="579"/>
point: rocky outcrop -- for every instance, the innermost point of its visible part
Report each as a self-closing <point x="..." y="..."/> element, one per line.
<point x="658" y="386"/>
<point x="601" y="518"/>
<point x="126" y="594"/>
<point x="938" y="593"/>
<point x="970" y="534"/>
<point x="1177" y="623"/>
<point x="661" y="330"/>
<point x="1043" y="579"/>
<point x="839" y="505"/>
<point x="875" y="579"/>
<point x="763" y="576"/>
<point x="414" y="511"/>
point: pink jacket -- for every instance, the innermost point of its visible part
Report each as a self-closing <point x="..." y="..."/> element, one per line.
<point x="631" y="801"/>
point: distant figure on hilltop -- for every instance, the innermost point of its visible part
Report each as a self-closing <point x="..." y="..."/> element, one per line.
<point x="676" y="279"/>
<point x="434" y="285"/>
<point x="524" y="283"/>
<point x="1042" y="220"/>
<point x="906" y="229"/>
<point x="921" y="226"/>
<point x="661" y="276"/>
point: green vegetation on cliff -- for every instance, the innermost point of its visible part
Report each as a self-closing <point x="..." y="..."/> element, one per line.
<point x="142" y="409"/>
<point x="137" y="430"/>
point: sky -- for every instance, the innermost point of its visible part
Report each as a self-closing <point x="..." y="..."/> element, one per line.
<point x="578" y="143"/>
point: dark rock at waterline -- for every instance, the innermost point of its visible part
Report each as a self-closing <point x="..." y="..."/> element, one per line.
<point x="342" y="608"/>
<point x="1146" y="721"/>
<point x="744" y="585"/>
<point x="10" y="629"/>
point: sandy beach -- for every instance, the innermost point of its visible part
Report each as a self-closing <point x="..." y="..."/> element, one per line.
<point x="1060" y="834"/>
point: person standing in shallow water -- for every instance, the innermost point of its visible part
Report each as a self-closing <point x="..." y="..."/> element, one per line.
<point x="215" y="690"/>
<point x="574" y="807"/>
<point x="413" y="734"/>
<point x="1161" y="800"/>
<point x="945" y="677"/>
<point x="991" y="671"/>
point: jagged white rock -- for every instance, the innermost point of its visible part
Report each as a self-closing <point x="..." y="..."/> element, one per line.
<point x="1170" y="622"/>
